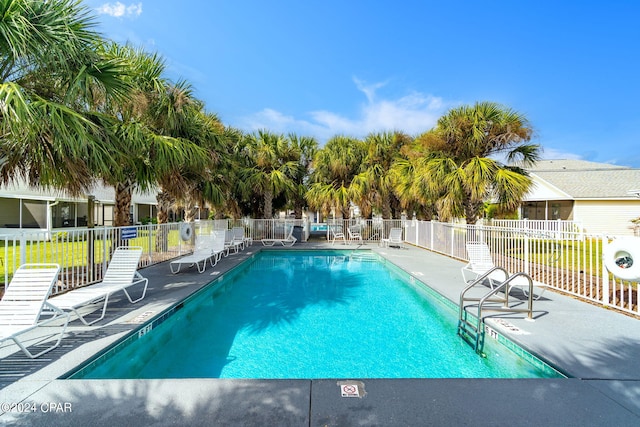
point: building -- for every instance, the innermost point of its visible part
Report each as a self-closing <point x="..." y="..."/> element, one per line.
<point x="602" y="197"/>
<point x="23" y="207"/>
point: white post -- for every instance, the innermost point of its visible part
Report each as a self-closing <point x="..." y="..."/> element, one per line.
<point x="432" y="233"/>
<point x="605" y="275"/>
<point x="526" y="253"/>
<point x="23" y="246"/>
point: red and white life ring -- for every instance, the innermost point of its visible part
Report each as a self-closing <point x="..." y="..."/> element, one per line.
<point x="186" y="231"/>
<point x="622" y="258"/>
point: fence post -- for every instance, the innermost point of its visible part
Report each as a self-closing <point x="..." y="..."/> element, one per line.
<point x="150" y="227"/>
<point x="6" y="261"/>
<point x="605" y="274"/>
<point x="23" y="248"/>
<point x="431" y="237"/>
<point x="104" y="249"/>
<point x="526" y="252"/>
<point x="453" y="236"/>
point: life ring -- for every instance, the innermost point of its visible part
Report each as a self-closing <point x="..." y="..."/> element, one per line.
<point x="186" y="231"/>
<point x="622" y="258"/>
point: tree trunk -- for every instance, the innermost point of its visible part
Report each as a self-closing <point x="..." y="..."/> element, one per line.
<point x="162" y="236"/>
<point x="396" y="207"/>
<point x="297" y="210"/>
<point x="123" y="205"/>
<point x="472" y="209"/>
<point x="386" y="207"/>
<point x="268" y="204"/>
<point x="190" y="212"/>
<point x="346" y="213"/>
<point x="164" y="204"/>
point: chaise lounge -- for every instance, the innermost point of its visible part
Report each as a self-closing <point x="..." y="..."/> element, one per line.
<point x="25" y="301"/>
<point x="394" y="239"/>
<point x="208" y="248"/>
<point x="121" y="274"/>
<point x="289" y="240"/>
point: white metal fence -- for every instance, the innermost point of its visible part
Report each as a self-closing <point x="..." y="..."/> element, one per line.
<point x="84" y="253"/>
<point x="570" y="262"/>
<point x="370" y="230"/>
<point x="567" y="261"/>
<point x="556" y="228"/>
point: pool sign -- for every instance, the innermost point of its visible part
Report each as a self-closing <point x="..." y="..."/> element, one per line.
<point x="129" y="233"/>
<point x="351" y="389"/>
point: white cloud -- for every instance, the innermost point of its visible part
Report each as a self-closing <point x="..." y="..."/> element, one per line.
<point x="368" y="90"/>
<point x="413" y="113"/>
<point x="555" y="154"/>
<point x="119" y="10"/>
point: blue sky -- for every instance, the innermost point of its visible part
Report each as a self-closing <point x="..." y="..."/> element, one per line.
<point x="323" y="68"/>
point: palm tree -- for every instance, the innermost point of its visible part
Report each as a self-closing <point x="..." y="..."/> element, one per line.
<point x="50" y="71"/>
<point x="307" y="148"/>
<point x="273" y="160"/>
<point x="224" y="188"/>
<point x="412" y="188"/>
<point x="177" y="113"/>
<point x="476" y="153"/>
<point x="373" y="186"/>
<point x="334" y="168"/>
<point x="145" y="153"/>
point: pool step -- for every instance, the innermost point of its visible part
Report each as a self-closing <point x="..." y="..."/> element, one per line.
<point x="364" y="256"/>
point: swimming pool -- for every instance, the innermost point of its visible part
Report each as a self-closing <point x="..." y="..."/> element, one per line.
<point x="308" y="314"/>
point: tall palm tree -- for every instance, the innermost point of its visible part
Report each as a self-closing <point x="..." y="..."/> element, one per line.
<point x="49" y="72"/>
<point x="145" y="154"/>
<point x="479" y="152"/>
<point x="273" y="162"/>
<point x="177" y="113"/>
<point x="373" y="186"/>
<point x="334" y="168"/>
<point x="307" y="148"/>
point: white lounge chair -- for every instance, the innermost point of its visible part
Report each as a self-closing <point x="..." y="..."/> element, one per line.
<point x="239" y="235"/>
<point x="394" y="239"/>
<point x="25" y="301"/>
<point x="523" y="285"/>
<point x="231" y="244"/>
<point x="480" y="262"/>
<point x="337" y="234"/>
<point x="354" y="233"/>
<point x="208" y="248"/>
<point x="289" y="240"/>
<point x="122" y="273"/>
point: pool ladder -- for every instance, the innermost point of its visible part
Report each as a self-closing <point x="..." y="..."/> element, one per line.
<point x="471" y="325"/>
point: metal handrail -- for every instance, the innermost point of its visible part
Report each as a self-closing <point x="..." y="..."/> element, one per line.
<point x="488" y="297"/>
<point x="478" y="280"/>
<point x="506" y="307"/>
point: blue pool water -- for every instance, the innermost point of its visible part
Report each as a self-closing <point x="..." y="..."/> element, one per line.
<point x="309" y="315"/>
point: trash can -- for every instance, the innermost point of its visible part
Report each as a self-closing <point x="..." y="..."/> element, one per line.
<point x="297" y="233"/>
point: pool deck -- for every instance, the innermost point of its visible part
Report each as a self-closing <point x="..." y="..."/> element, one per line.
<point x="598" y="348"/>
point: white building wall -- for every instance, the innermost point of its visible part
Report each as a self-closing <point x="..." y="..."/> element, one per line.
<point x="611" y="217"/>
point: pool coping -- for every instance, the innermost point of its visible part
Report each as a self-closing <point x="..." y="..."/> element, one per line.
<point x="605" y="388"/>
